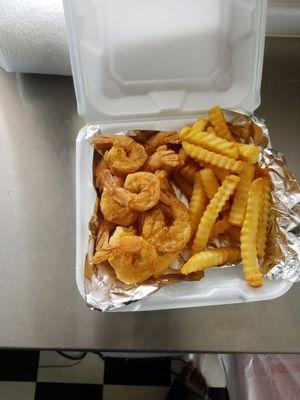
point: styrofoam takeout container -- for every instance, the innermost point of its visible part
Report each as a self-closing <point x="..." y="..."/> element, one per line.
<point x="159" y="64"/>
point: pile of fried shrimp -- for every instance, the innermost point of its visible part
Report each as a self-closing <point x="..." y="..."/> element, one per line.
<point x="144" y="226"/>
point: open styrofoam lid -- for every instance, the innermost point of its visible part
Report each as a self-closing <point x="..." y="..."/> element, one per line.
<point x="141" y="59"/>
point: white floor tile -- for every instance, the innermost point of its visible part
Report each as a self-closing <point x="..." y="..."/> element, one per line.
<point x="123" y="392"/>
<point x="212" y="369"/>
<point x="89" y="370"/>
<point x="17" y="390"/>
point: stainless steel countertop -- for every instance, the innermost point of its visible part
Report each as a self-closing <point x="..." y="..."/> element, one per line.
<point x="40" y="306"/>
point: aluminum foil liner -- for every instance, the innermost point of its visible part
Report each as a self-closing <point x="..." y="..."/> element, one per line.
<point x="105" y="292"/>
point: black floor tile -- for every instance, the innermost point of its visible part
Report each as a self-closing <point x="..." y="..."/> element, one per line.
<point x="218" y="394"/>
<point x="50" y="391"/>
<point x="150" y="372"/>
<point x="18" y="365"/>
<point x="179" y="391"/>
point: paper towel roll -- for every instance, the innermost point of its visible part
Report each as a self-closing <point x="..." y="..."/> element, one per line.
<point x="33" y="37"/>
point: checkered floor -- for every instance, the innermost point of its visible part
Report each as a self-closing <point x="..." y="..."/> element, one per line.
<point x="34" y="375"/>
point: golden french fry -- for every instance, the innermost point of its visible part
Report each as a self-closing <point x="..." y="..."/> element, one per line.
<point x="239" y="204"/>
<point x="211" y="258"/>
<point x="212" y="211"/>
<point x="212" y="158"/>
<point x="218" y="121"/>
<point x="183" y="185"/>
<point x="211" y="142"/>
<point x="184" y="132"/>
<point x="263" y="218"/>
<point x="252" y="272"/>
<point x="189" y="170"/>
<point x="220" y="227"/>
<point x="182" y="156"/>
<point x="210" y="129"/>
<point x="209" y="181"/>
<point x="198" y="203"/>
<point x="201" y="124"/>
<point x="220" y="173"/>
<point x="248" y="153"/>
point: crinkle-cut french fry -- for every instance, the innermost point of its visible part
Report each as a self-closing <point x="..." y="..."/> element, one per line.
<point x="197" y="204"/>
<point x="263" y="219"/>
<point x="182" y="156"/>
<point x="212" y="211"/>
<point x="209" y="181"/>
<point x="239" y="204"/>
<point x="213" y="158"/>
<point x="248" y="153"/>
<point x="216" y="117"/>
<point x="252" y="272"/>
<point x="220" y="227"/>
<point x="210" y="129"/>
<point x="183" y="185"/>
<point x="212" y="142"/>
<point x="211" y="258"/>
<point x="220" y="173"/>
<point x="189" y="170"/>
<point x="201" y="124"/>
<point x="184" y="132"/>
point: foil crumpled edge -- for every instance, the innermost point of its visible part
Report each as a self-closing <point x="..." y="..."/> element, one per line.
<point x="283" y="236"/>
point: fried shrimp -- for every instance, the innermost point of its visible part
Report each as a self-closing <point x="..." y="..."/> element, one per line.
<point x="115" y="212"/>
<point x="132" y="257"/>
<point x="105" y="228"/>
<point x="99" y="175"/>
<point x="164" y="262"/>
<point x="103" y="143"/>
<point x="161" y="138"/>
<point x="123" y="154"/>
<point x="165" y="184"/>
<point x="141" y="190"/>
<point x="167" y="236"/>
<point x="121" y="231"/>
<point x="163" y="158"/>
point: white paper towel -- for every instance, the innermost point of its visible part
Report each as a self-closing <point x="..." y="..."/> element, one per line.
<point x="33" y="37"/>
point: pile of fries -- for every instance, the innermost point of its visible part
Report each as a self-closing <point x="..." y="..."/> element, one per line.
<point x="231" y="195"/>
<point x="143" y="227"/>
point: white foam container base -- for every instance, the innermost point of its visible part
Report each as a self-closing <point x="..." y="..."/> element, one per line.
<point x="219" y="286"/>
